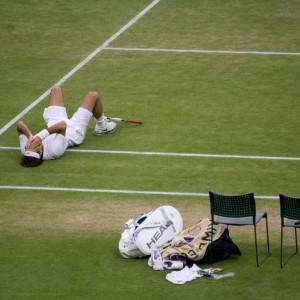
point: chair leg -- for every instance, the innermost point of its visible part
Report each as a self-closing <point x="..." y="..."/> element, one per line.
<point x="268" y="245"/>
<point x="296" y="240"/>
<point x="281" y="246"/>
<point x="267" y="228"/>
<point x="211" y="243"/>
<point x="296" y="250"/>
<point x="256" y="252"/>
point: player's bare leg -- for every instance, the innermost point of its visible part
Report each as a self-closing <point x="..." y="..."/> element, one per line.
<point x="92" y="102"/>
<point x="56" y="97"/>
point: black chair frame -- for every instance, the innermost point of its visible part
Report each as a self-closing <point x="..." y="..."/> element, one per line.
<point x="289" y="210"/>
<point x="237" y="210"/>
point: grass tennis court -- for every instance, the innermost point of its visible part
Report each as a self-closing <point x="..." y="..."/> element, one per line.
<point x="216" y="85"/>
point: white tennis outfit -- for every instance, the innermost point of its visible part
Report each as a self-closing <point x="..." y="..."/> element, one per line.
<point x="56" y="144"/>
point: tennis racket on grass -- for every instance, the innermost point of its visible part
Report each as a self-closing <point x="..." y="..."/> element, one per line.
<point x="124" y="120"/>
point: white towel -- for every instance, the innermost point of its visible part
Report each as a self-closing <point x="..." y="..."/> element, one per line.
<point x="184" y="275"/>
<point x="189" y="274"/>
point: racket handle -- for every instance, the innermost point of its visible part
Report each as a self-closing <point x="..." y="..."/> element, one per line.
<point x="133" y="121"/>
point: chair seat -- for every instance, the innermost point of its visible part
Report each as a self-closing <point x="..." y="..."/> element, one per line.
<point x="240" y="220"/>
<point x="291" y="223"/>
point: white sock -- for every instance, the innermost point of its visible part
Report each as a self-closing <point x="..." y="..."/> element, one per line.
<point x="99" y="120"/>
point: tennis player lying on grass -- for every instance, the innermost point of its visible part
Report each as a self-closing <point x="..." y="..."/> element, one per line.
<point x="51" y="143"/>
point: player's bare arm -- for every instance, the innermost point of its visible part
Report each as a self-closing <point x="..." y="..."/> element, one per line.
<point x="23" y="129"/>
<point x="59" y="128"/>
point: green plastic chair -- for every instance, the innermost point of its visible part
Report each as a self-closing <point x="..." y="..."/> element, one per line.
<point x="289" y="209"/>
<point x="237" y="210"/>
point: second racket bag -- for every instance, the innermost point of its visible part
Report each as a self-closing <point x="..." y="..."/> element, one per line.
<point x="150" y="231"/>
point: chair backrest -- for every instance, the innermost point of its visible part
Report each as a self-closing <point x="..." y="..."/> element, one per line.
<point x="289" y="207"/>
<point x="234" y="206"/>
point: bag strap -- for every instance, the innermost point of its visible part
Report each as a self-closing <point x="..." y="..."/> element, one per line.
<point x="165" y="222"/>
<point x="168" y="220"/>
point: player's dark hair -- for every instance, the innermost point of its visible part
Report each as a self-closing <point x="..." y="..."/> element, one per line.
<point x="29" y="162"/>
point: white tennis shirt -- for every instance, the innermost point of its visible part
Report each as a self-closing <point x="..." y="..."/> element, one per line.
<point x="54" y="145"/>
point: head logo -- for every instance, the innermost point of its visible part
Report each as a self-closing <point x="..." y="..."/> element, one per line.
<point x="157" y="235"/>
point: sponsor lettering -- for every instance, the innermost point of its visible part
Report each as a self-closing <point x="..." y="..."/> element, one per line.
<point x="151" y="224"/>
<point x="157" y="235"/>
<point x="206" y="237"/>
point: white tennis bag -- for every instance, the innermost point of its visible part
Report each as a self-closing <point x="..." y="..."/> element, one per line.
<point x="150" y="231"/>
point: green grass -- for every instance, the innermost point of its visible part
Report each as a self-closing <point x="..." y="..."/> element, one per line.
<point x="270" y="25"/>
<point x="41" y="42"/>
<point x="156" y="173"/>
<point x="53" y="247"/>
<point x="88" y="268"/>
<point x="64" y="245"/>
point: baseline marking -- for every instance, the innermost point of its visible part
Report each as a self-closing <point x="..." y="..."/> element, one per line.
<point x="170" y="154"/>
<point x="202" y="51"/>
<point x="116" y="191"/>
<point x="78" y="67"/>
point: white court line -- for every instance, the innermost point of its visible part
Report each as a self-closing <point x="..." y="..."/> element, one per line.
<point x="116" y="191"/>
<point x="189" y="154"/>
<point x="202" y="51"/>
<point x="171" y="154"/>
<point x="79" y="66"/>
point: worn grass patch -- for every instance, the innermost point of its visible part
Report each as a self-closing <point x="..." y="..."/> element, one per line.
<point x="95" y="213"/>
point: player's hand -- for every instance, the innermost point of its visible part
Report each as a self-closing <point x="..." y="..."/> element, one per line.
<point x="29" y="142"/>
<point x="35" y="142"/>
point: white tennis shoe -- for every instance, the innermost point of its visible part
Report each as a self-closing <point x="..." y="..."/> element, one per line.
<point x="158" y="263"/>
<point x="173" y="265"/>
<point x="104" y="127"/>
<point x="155" y="260"/>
